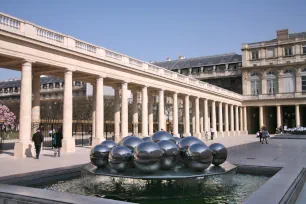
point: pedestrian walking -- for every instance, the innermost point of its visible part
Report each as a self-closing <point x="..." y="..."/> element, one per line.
<point x="212" y="132"/>
<point x="58" y="145"/>
<point x="265" y="135"/>
<point x="37" y="139"/>
<point x="259" y="134"/>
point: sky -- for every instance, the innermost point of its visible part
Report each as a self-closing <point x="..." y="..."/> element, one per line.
<point x="157" y="29"/>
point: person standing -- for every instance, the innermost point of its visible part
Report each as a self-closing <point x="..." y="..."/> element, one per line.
<point x="265" y="135"/>
<point x="59" y="137"/>
<point x="212" y="132"/>
<point x="37" y="139"/>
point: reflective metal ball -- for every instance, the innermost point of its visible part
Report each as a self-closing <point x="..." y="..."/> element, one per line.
<point x="177" y="140"/>
<point x="109" y="143"/>
<point x="219" y="153"/>
<point x="99" y="155"/>
<point x="147" y="157"/>
<point x="146" y="139"/>
<point x="131" y="142"/>
<point x="184" y="144"/>
<point x="199" y="156"/>
<point x="160" y="136"/>
<point x="119" y="158"/>
<point x="170" y="152"/>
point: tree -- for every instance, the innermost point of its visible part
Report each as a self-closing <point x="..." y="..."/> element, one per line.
<point x="7" y="116"/>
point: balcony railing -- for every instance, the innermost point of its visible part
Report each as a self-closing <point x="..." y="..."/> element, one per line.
<point x="275" y="96"/>
<point x="23" y="28"/>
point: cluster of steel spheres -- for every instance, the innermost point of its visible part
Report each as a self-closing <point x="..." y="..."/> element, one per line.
<point x="161" y="150"/>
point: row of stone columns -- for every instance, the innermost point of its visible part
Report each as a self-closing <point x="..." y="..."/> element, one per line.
<point x="200" y="115"/>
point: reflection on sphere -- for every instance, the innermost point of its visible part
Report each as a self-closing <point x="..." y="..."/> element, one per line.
<point x="199" y="156"/>
<point x="99" y="155"/>
<point x="119" y="158"/>
<point x="131" y="142"/>
<point x="170" y="153"/>
<point x="219" y="153"/>
<point x="160" y="136"/>
<point x="109" y="143"/>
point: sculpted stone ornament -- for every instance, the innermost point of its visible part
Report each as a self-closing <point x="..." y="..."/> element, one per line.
<point x="109" y="143"/>
<point x="199" y="156"/>
<point x="219" y="153"/>
<point x="170" y="153"/>
<point x="147" y="157"/>
<point x="99" y="155"/>
<point x="161" y="135"/>
<point x="119" y="158"/>
<point x="131" y="142"/>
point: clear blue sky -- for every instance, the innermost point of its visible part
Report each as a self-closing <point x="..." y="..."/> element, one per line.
<point x="157" y="29"/>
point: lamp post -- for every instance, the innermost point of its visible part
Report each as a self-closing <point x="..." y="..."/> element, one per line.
<point x="1" y="135"/>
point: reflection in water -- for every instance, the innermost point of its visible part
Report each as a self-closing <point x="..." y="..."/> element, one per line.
<point x="215" y="189"/>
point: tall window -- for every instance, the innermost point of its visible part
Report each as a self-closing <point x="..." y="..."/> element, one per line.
<point x="289" y="81"/>
<point x="255" y="55"/>
<point x="255" y="84"/>
<point x="288" y="51"/>
<point x="304" y="49"/>
<point x="303" y="80"/>
<point x="271" y="83"/>
<point x="270" y="52"/>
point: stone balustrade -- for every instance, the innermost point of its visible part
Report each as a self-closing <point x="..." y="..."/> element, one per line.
<point x="36" y="32"/>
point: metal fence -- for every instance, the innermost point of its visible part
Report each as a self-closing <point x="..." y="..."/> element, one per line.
<point x="82" y="133"/>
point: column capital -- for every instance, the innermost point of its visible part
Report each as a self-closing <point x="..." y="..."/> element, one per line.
<point x="102" y="76"/>
<point x="25" y="61"/>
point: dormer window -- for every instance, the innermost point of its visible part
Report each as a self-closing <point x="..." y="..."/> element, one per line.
<point x="304" y="50"/>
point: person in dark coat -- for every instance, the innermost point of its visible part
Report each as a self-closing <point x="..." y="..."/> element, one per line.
<point x="58" y="143"/>
<point x="265" y="135"/>
<point x="37" y="139"/>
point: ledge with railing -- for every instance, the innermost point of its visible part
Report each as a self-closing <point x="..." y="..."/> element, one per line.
<point x="275" y="96"/>
<point x="24" y="28"/>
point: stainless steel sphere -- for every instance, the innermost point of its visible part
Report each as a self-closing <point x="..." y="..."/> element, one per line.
<point x="147" y="157"/>
<point x="146" y="139"/>
<point x="170" y="152"/>
<point x="99" y="155"/>
<point x="199" y="157"/>
<point x="119" y="158"/>
<point x="184" y="144"/>
<point x="219" y="153"/>
<point x="131" y="142"/>
<point x="109" y="143"/>
<point x="177" y="140"/>
<point x="160" y="136"/>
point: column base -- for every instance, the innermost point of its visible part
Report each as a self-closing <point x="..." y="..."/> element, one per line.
<point x="232" y="133"/>
<point x="68" y="145"/>
<point x="24" y="149"/>
<point x="186" y="134"/>
<point x="226" y="133"/>
<point x="220" y="134"/>
<point x="237" y="133"/>
<point x="97" y="140"/>
<point x="197" y="135"/>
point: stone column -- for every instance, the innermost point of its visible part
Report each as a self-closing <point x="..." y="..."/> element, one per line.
<point x="99" y="135"/>
<point x="144" y="113"/>
<point x="232" y="119"/>
<point x="175" y="115"/>
<point x="297" y="116"/>
<point x="263" y="84"/>
<point x="93" y="121"/>
<point x="220" y="133"/>
<point x="151" y="118"/>
<point x="213" y="116"/>
<point x="236" y="120"/>
<point x="226" y="120"/>
<point x="68" y="143"/>
<point x="187" y="121"/>
<point x="193" y="119"/>
<point x="117" y="114"/>
<point x="24" y="146"/>
<point x="261" y="116"/>
<point x="245" y="119"/>
<point x="241" y="119"/>
<point x="279" y="116"/>
<point x="135" y="113"/>
<point x="197" y="118"/>
<point x="161" y="111"/>
<point x="36" y="103"/>
<point x="206" y="122"/>
<point x="124" y="109"/>
<point x="201" y="118"/>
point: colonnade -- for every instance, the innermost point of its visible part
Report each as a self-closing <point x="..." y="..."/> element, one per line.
<point x="203" y="113"/>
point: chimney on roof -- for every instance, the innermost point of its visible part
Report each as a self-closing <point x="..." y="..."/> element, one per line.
<point x="282" y="34"/>
<point x="168" y="59"/>
<point x="181" y="57"/>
